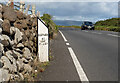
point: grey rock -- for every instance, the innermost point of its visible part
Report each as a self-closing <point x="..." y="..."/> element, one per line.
<point x="12" y="30"/>
<point x="27" y="33"/>
<point x="25" y="61"/>
<point x="21" y="76"/>
<point x="0" y="15"/>
<point x="5" y="42"/>
<point x="21" y="24"/>
<point x="9" y="54"/>
<point x="18" y="36"/>
<point x="8" y="65"/>
<point x="9" y="14"/>
<point x="18" y="54"/>
<point x="20" y="65"/>
<point x="31" y="43"/>
<point x="1" y="8"/>
<point x="20" y="45"/>
<point x="0" y="30"/>
<point x="4" y="75"/>
<point x="6" y="26"/>
<point x="5" y="37"/>
<point x="14" y="77"/>
<point x="14" y="55"/>
<point x="27" y="54"/>
<point x="1" y="64"/>
<point x="1" y="49"/>
<point x="27" y="68"/>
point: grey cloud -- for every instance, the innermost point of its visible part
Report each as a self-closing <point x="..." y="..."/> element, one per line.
<point x="70" y="10"/>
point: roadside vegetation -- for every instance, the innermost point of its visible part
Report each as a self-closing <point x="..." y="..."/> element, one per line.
<point x="108" y="25"/>
<point x="73" y="26"/>
<point x="47" y="18"/>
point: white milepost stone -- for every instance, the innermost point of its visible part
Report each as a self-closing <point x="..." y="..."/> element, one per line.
<point x="42" y="41"/>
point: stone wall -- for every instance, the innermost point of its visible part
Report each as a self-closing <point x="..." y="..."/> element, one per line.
<point x="18" y="43"/>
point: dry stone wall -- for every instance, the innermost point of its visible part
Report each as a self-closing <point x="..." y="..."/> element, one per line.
<point x="18" y="43"/>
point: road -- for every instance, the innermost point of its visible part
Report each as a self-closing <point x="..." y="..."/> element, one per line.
<point x="96" y="52"/>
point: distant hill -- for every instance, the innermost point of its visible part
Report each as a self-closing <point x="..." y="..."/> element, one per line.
<point x="68" y="22"/>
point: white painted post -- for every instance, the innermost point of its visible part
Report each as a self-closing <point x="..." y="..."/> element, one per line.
<point x="42" y="42"/>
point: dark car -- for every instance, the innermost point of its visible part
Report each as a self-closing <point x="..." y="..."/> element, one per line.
<point x="87" y="25"/>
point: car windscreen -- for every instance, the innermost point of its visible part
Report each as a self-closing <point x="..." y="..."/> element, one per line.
<point x="88" y="23"/>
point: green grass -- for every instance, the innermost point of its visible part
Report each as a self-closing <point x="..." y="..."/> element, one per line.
<point x="108" y="28"/>
<point x="73" y="26"/>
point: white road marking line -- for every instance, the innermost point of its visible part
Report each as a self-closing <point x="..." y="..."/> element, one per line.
<point x="113" y="35"/>
<point x="79" y="68"/>
<point x="67" y="44"/>
<point x="63" y="36"/>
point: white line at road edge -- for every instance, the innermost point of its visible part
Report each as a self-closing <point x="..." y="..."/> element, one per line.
<point x="79" y="68"/>
<point x="63" y="36"/>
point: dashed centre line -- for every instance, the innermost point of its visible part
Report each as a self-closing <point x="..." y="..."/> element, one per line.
<point x="67" y="44"/>
<point x="113" y="35"/>
<point x="80" y="71"/>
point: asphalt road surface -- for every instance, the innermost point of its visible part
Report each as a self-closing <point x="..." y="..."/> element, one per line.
<point x="96" y="52"/>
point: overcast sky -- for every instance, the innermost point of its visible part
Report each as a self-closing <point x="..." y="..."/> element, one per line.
<point x="91" y="10"/>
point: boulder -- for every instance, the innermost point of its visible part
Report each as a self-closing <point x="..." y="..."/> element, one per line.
<point x="7" y="64"/>
<point x="14" y="77"/>
<point x="17" y="54"/>
<point x="27" y="68"/>
<point x="20" y="45"/>
<point x="21" y="24"/>
<point x="1" y="64"/>
<point x="14" y="55"/>
<point x="12" y="30"/>
<point x="0" y="15"/>
<point x="1" y="49"/>
<point x="0" y="30"/>
<point x="4" y="75"/>
<point x="20" y="65"/>
<point x="5" y="42"/>
<point x="20" y="15"/>
<point x="12" y="60"/>
<point x="5" y="37"/>
<point x="1" y="8"/>
<point x="25" y="61"/>
<point x="31" y="43"/>
<point x="18" y="36"/>
<point x="6" y="26"/>
<point x="9" y="14"/>
<point x="27" y="54"/>
<point x="27" y="33"/>
<point x="21" y="76"/>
